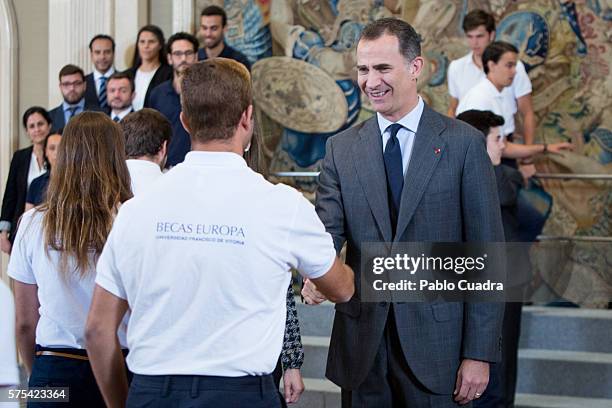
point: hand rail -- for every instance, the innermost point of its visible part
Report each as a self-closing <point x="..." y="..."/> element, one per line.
<point x="571" y="176"/>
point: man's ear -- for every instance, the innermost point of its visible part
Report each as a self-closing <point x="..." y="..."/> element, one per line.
<point x="416" y="67"/>
<point x="492" y="36"/>
<point x="185" y="122"/>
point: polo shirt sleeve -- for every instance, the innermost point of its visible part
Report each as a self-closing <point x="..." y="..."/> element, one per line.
<point x="108" y="275"/>
<point x="453" y="87"/>
<point x="311" y="249"/>
<point x="521" y="85"/>
<point x="20" y="262"/>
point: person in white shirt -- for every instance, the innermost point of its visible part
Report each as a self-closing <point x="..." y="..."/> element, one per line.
<point x="9" y="374"/>
<point x="121" y="93"/>
<point x="464" y="73"/>
<point x="102" y="52"/>
<point x="202" y="260"/>
<point x="500" y="61"/>
<point x="55" y="250"/>
<point x="147" y="134"/>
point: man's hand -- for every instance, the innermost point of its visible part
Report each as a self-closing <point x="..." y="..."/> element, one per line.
<point x="472" y="380"/>
<point x="559" y="147"/>
<point x="293" y="385"/>
<point x="5" y="244"/>
<point x="310" y="293"/>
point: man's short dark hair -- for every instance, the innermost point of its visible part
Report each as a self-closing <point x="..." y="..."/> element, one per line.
<point x="409" y="40"/>
<point x="71" y="70"/>
<point x="494" y="52"/>
<point x="477" y="18"/>
<point x="214" y="95"/>
<point x="124" y="75"/>
<point x="145" y="132"/>
<point x="481" y="120"/>
<point x="102" y="37"/>
<point x="182" y="36"/>
<point x="215" y="11"/>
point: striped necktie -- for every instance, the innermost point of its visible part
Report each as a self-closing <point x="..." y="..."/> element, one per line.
<point x="102" y="97"/>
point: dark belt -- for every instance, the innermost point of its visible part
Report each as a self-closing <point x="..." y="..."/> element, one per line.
<point x="72" y="353"/>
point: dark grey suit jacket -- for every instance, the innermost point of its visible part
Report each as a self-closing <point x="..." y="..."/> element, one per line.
<point x="57" y="115"/>
<point x="447" y="197"/>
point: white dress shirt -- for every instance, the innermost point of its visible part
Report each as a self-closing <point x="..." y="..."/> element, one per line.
<point x="405" y="135"/>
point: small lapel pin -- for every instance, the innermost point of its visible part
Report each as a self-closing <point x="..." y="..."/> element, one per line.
<point x="437" y="150"/>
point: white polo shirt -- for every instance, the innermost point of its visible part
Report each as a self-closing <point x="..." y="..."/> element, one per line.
<point x="464" y="74"/>
<point x="143" y="173"/>
<point x="485" y="96"/>
<point x="64" y="303"/>
<point x="9" y="375"/>
<point x="203" y="259"/>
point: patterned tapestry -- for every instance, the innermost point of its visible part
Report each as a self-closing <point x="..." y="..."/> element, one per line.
<point x="566" y="47"/>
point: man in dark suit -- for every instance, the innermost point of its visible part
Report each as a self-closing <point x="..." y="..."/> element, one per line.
<point x="182" y="49"/>
<point x="408" y="174"/>
<point x="213" y="25"/>
<point x="102" y="51"/>
<point x="121" y="92"/>
<point x="72" y="85"/>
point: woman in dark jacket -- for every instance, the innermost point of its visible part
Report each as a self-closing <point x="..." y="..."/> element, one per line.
<point x="150" y="65"/>
<point x="26" y="165"/>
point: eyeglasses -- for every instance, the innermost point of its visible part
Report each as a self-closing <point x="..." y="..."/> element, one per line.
<point x="179" y="54"/>
<point x="71" y="84"/>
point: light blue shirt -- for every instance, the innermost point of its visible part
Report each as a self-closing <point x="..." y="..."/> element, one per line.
<point x="405" y="136"/>
<point x="66" y="106"/>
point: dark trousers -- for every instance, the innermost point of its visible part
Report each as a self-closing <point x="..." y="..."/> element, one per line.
<point x="54" y="371"/>
<point x="391" y="383"/>
<point x="502" y="381"/>
<point x="277" y="375"/>
<point x="202" y="391"/>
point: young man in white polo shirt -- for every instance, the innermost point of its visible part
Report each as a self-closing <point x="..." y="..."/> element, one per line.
<point x="500" y="62"/>
<point x="147" y="134"/>
<point x="202" y="260"/>
<point x="465" y="73"/>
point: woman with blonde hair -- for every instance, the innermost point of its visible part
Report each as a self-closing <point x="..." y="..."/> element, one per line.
<point x="55" y="251"/>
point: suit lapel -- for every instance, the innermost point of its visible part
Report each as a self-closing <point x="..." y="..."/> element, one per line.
<point x="427" y="150"/>
<point x="370" y="168"/>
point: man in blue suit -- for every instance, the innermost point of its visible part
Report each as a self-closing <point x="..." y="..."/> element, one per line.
<point x="72" y="85"/>
<point x="408" y="174"/>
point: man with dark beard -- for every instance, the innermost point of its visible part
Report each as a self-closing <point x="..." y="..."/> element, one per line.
<point x="213" y="25"/>
<point x="120" y="95"/>
<point x="72" y="85"/>
<point x="181" y="49"/>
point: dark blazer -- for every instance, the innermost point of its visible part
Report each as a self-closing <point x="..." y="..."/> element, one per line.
<point x="163" y="73"/>
<point x="57" y="115"/>
<point x="91" y="96"/>
<point x="13" y="202"/>
<point x="448" y="196"/>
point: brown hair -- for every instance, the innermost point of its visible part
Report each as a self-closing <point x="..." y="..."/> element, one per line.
<point x="145" y="132"/>
<point x="71" y="70"/>
<point x="89" y="181"/>
<point x="409" y="40"/>
<point x="477" y="18"/>
<point x="214" y="95"/>
<point x="124" y="75"/>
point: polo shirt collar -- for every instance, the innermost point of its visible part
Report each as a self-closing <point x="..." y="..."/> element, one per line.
<point x="491" y="88"/>
<point x="409" y="121"/>
<point x="215" y="159"/>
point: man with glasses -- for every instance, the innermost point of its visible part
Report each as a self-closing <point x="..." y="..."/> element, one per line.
<point x="182" y="48"/>
<point x="72" y="85"/>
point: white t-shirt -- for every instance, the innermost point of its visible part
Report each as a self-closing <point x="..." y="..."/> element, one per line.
<point x="64" y="303"/>
<point x="485" y="96"/>
<point x="9" y="375"/>
<point x="35" y="170"/>
<point x="141" y="82"/>
<point x="203" y="258"/>
<point x="143" y="173"/>
<point x="464" y="74"/>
